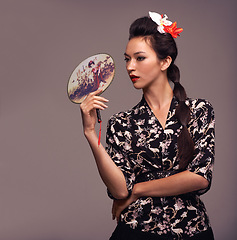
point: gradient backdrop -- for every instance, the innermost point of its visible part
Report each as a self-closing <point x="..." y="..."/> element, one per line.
<point x="49" y="185"/>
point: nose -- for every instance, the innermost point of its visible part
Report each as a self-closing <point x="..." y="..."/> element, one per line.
<point x="130" y="65"/>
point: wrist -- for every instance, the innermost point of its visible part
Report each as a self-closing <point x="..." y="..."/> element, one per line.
<point x="90" y="133"/>
<point x="136" y="191"/>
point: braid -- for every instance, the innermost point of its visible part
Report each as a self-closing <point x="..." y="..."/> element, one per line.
<point x="164" y="45"/>
<point x="185" y="142"/>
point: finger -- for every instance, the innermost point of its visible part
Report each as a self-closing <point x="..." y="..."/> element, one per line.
<point x="113" y="215"/>
<point x="118" y="212"/>
<point x="98" y="91"/>
<point x="117" y="218"/>
<point x="113" y="211"/>
<point x="99" y="104"/>
<point x="99" y="98"/>
<point x="90" y="96"/>
<point x="94" y="99"/>
<point x="86" y="107"/>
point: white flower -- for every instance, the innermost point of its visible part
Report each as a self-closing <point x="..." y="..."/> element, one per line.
<point x="128" y="134"/>
<point x="184" y="215"/>
<point x="119" y="155"/>
<point x="160" y="20"/>
<point x="133" y="223"/>
<point x="127" y="146"/>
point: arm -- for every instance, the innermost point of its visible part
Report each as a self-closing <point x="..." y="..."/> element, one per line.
<point x="198" y="175"/>
<point x="111" y="175"/>
<point x="176" y="184"/>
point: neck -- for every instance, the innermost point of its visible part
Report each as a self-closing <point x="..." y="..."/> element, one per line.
<point x="159" y="95"/>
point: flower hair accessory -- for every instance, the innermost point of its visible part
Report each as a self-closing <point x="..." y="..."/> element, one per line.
<point x="164" y="25"/>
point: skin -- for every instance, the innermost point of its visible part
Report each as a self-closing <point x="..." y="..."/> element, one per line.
<point x="141" y="61"/>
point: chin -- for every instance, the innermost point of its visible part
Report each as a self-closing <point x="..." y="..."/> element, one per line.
<point x="138" y="86"/>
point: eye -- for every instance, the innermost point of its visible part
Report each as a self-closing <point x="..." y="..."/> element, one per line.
<point x="126" y="59"/>
<point x="140" y="58"/>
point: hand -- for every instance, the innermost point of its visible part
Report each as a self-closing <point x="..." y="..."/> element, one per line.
<point x="88" y="109"/>
<point x="120" y="205"/>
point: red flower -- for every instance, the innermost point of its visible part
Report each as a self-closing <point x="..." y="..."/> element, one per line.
<point x="173" y="30"/>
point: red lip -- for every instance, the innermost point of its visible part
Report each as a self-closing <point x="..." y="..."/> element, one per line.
<point x="134" y="78"/>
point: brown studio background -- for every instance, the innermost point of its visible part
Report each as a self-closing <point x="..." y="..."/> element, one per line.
<point x="49" y="185"/>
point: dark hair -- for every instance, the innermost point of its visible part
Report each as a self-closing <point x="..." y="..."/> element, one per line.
<point x="91" y="63"/>
<point x="164" y="46"/>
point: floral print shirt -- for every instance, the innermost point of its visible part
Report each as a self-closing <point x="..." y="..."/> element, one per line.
<point x="144" y="151"/>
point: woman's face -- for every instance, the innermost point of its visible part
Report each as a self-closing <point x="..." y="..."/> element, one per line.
<point x="142" y="63"/>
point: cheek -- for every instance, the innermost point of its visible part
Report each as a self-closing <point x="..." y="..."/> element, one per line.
<point x="146" y="67"/>
<point x="152" y="70"/>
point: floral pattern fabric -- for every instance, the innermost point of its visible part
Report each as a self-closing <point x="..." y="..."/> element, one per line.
<point x="144" y="151"/>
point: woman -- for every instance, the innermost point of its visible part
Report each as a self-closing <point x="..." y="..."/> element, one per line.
<point x="160" y="154"/>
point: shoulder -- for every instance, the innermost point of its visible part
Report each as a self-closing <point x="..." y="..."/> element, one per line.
<point x="118" y="126"/>
<point x="202" y="115"/>
<point x="125" y="118"/>
<point x="200" y="106"/>
<point x="120" y="117"/>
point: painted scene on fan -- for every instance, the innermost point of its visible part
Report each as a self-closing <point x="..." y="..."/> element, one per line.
<point x="94" y="73"/>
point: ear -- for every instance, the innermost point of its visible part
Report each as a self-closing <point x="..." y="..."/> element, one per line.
<point x="165" y="63"/>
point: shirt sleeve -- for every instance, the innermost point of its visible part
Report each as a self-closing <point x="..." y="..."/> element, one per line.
<point x="203" y="129"/>
<point x="116" y="148"/>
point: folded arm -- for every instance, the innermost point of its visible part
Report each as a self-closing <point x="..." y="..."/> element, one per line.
<point x="176" y="184"/>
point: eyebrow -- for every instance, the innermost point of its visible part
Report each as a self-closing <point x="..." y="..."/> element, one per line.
<point x="125" y="54"/>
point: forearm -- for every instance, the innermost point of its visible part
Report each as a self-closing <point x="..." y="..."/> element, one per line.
<point x="111" y="175"/>
<point x="177" y="184"/>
